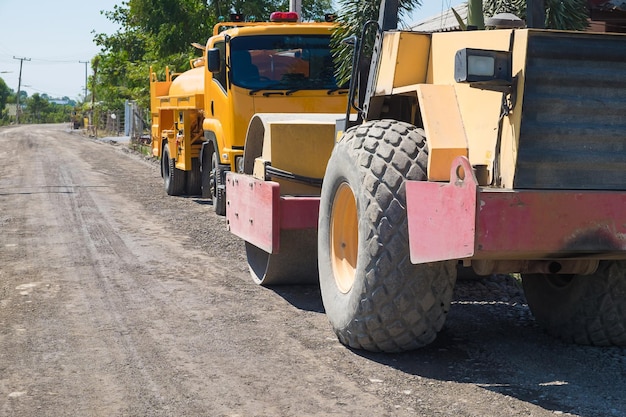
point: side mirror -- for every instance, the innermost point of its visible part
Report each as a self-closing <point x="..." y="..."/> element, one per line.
<point x="213" y="60"/>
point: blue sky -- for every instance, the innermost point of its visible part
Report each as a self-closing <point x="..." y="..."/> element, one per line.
<point x="431" y="8"/>
<point x="57" y="34"/>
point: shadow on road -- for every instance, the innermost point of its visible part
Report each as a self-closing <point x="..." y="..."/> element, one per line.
<point x="497" y="346"/>
<point x="491" y="340"/>
<point x="303" y="297"/>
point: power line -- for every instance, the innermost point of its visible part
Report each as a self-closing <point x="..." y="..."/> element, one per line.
<point x="55" y="61"/>
<point x="40" y="61"/>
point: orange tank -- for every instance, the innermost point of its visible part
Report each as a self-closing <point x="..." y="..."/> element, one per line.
<point x="188" y="83"/>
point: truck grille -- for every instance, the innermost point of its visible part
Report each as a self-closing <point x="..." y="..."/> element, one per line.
<point x="573" y="130"/>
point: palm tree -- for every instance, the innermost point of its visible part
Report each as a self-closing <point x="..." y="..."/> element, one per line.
<point x="352" y="17"/>
<point x="560" y="14"/>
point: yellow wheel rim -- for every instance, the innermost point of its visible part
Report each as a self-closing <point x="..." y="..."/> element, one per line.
<point x="344" y="237"/>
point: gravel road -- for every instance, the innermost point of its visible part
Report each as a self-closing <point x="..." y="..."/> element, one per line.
<point x="117" y="300"/>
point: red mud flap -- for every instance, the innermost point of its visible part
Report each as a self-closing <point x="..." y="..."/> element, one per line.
<point x="256" y="212"/>
<point x="459" y="220"/>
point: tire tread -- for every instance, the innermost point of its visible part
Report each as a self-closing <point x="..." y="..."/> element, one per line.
<point x="403" y="306"/>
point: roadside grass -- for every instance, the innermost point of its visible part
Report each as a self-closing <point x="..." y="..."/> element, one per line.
<point x="142" y="148"/>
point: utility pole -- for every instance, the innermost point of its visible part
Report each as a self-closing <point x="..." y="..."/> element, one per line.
<point x="19" y="86"/>
<point x="296" y="6"/>
<point x="86" y="63"/>
<point x="94" y="116"/>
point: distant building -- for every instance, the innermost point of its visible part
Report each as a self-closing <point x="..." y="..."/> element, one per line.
<point x="443" y="22"/>
<point x="607" y="15"/>
<point x="607" y="5"/>
<point x="59" y="101"/>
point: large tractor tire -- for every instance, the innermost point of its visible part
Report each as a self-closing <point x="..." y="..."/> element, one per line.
<point x="583" y="309"/>
<point x="173" y="178"/>
<point x="374" y="297"/>
<point x="296" y="263"/>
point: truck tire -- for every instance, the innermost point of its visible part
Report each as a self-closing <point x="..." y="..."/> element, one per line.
<point x="205" y="173"/>
<point x="174" y="178"/>
<point x="194" y="179"/>
<point x="374" y="297"/>
<point x="295" y="264"/>
<point x="583" y="309"/>
<point x="217" y="184"/>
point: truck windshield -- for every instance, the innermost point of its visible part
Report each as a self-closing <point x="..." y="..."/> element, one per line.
<point x="282" y="62"/>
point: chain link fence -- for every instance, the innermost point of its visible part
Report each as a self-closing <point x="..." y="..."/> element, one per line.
<point x="129" y="122"/>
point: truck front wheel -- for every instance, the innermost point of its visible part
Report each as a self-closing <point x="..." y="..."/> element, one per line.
<point x="213" y="177"/>
<point x="583" y="309"/>
<point x="216" y="182"/>
<point x="374" y="297"/>
<point x="174" y="178"/>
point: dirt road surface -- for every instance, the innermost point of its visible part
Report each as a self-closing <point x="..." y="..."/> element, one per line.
<point x="116" y="300"/>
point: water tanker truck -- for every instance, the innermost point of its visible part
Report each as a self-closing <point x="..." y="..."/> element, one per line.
<point x="200" y="117"/>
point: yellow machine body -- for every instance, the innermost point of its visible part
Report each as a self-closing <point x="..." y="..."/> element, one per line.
<point x="297" y="145"/>
<point x="458" y="120"/>
<point x="485" y="124"/>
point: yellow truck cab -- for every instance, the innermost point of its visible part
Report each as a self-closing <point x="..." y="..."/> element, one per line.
<point x="200" y="117"/>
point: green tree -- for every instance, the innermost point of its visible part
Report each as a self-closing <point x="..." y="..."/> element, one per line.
<point x="121" y="55"/>
<point x="315" y="10"/>
<point x="312" y="10"/>
<point x="160" y="33"/>
<point x="123" y="68"/>
<point x="560" y="14"/>
<point x="171" y="24"/>
<point x="258" y="9"/>
<point x="37" y="109"/>
<point x="23" y="96"/>
<point x="5" y="92"/>
<point x="352" y="16"/>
